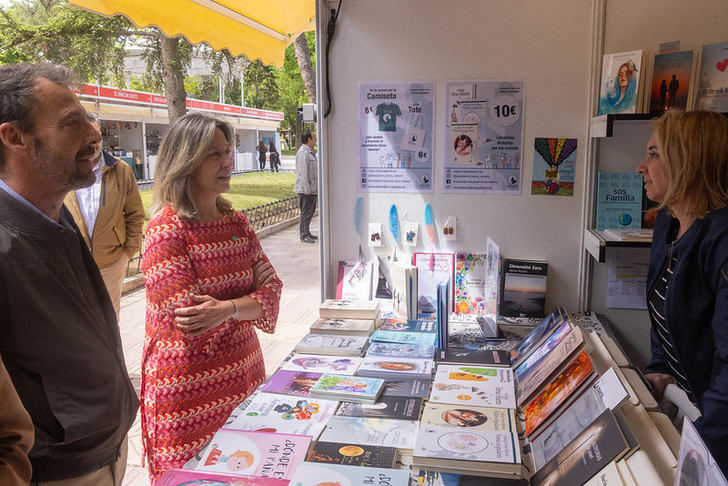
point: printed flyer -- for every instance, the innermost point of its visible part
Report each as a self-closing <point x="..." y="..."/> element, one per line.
<point x="396" y="136"/>
<point x="483" y="137"/>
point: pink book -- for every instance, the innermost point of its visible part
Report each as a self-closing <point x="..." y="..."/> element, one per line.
<point x="182" y="477"/>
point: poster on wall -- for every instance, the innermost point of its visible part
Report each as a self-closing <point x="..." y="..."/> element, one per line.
<point x="483" y="137"/>
<point x="554" y="160"/>
<point x="395" y="136"/>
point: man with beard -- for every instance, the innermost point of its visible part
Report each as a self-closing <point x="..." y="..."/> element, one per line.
<point x="58" y="334"/>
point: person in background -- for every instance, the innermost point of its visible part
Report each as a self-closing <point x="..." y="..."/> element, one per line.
<point x="208" y="286"/>
<point x="306" y="185"/>
<point x="16" y="435"/>
<point x="110" y="215"/>
<point x="261" y="155"/>
<point x="686" y="172"/>
<point x="274" y="157"/>
<point x="60" y="339"/>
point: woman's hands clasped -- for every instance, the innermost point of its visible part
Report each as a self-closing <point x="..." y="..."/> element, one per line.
<point x="207" y="314"/>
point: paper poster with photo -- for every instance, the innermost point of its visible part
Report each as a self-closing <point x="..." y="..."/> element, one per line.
<point x="396" y="124"/>
<point x="484" y="127"/>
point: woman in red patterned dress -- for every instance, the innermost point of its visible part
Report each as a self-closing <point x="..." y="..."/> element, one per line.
<point x="208" y="285"/>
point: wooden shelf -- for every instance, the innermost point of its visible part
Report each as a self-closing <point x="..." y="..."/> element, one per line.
<point x="596" y="243"/>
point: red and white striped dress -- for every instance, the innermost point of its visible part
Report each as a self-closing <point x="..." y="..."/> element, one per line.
<point x="191" y="384"/>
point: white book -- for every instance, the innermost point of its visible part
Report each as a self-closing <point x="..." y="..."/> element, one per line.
<point x="322" y="364"/>
<point x="349" y="309"/>
<point x="620" y="86"/>
<point x="465" y="445"/>
<point x="371" y="431"/>
<point x="380" y="366"/>
<point x="352" y="327"/>
<point x="332" y="345"/>
<point x="474" y="385"/>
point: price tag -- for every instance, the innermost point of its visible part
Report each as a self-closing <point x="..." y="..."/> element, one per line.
<point x="423" y="155"/>
<point x="505" y="111"/>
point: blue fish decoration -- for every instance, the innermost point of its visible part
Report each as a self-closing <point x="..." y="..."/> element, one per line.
<point x="394" y="223"/>
<point x="358" y="214"/>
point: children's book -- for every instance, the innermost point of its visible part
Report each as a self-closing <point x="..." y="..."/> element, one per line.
<point x="524" y="288"/>
<point x="288" y="382"/>
<point x="403" y="387"/>
<point x="458" y="356"/>
<point x="713" y="89"/>
<point x="467" y="417"/>
<point x="620" y="85"/>
<point x="314" y="473"/>
<point x="371" y="431"/>
<point x="322" y="364"/>
<point x="671" y="79"/>
<point x="619" y="200"/>
<point x="351" y="327"/>
<point x="470" y="283"/>
<point x="355" y="280"/>
<point x="401" y="350"/>
<point x="183" y="477"/>
<point x="353" y="454"/>
<point x="404" y="289"/>
<point x="379" y="367"/>
<point x="332" y="345"/>
<point x="474" y="385"/>
<point x="432" y="269"/>
<point x="254" y="453"/>
<point x="349" y="309"/>
<point x="404" y="337"/>
<point x="349" y="388"/>
<point x="401" y="408"/>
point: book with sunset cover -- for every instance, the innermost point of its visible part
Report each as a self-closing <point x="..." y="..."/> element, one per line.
<point x="524" y="288"/>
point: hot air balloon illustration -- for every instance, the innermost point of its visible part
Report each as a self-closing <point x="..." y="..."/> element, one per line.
<point x="554" y="151"/>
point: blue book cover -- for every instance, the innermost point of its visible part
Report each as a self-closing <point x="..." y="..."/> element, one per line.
<point x="349" y="386"/>
<point x="619" y="200"/>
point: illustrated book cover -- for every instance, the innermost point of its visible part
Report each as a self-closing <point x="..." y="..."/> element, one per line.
<point x="349" y="309"/>
<point x="696" y="464"/>
<point x="312" y="474"/>
<point x="401" y="408"/>
<point x="283" y="413"/>
<point x="407" y="325"/>
<point x="524" y="288"/>
<point x="353" y="454"/>
<point x="351" y="327"/>
<point x="620" y="84"/>
<point x="322" y="364"/>
<point x="713" y="89"/>
<point x="401" y="387"/>
<point x="474" y="385"/>
<point x="390" y="367"/>
<point x="554" y="166"/>
<point x="468" y="417"/>
<point x="619" y="200"/>
<point x="332" y="345"/>
<point x="350" y="388"/>
<point x="288" y="382"/>
<point x="433" y="269"/>
<point x="355" y="280"/>
<point x="184" y="477"/>
<point x="671" y="79"/>
<point x="401" y="350"/>
<point x="537" y="335"/>
<point x="458" y="356"/>
<point x="470" y="283"/>
<point x="404" y="337"/>
<point x="371" y="431"/>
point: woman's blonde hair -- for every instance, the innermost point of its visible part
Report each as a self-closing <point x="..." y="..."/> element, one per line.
<point x="181" y="152"/>
<point x="693" y="148"/>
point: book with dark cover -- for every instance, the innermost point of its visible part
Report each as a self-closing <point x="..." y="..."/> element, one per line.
<point x="353" y="454"/>
<point x="524" y="288"/>
<point x="403" y="408"/>
<point x="417" y="388"/>
<point x="535" y="337"/>
<point x="492" y="357"/>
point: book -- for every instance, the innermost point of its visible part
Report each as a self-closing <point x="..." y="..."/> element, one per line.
<point x="404" y="337"/>
<point x="402" y="408"/>
<point x="608" y="476"/>
<point x="470" y="283"/>
<point x="637" y="234"/>
<point x="671" y="79"/>
<point x="524" y="288"/>
<point x="349" y="388"/>
<point x="401" y="350"/>
<point x="280" y="411"/>
<point x="418" y="388"/>
<point x="436" y="478"/>
<point x="352" y="454"/>
<point x="713" y="89"/>
<point x="254" y="453"/>
<point x="313" y="473"/>
<point x="537" y="335"/>
<point x="595" y="447"/>
<point x="465" y="335"/>
<point x="371" y="431"/>
<point x="404" y="289"/>
<point x="332" y="345"/>
<point x="474" y="385"/>
<point x="456" y="356"/>
<point x="696" y="464"/>
<point x="619" y="200"/>
<point x="322" y="364"/>
<point x="390" y="367"/>
<point x="476" y="451"/>
<point x="493" y="270"/>
<point x="442" y="315"/>
<point x="349" y="309"/>
<point x="183" y="477"/>
<point x="432" y="269"/>
<point x="407" y="325"/>
<point x="287" y="382"/>
<point x="620" y="83"/>
<point x="557" y="391"/>
<point x="351" y="327"/>
<point x="468" y="417"/>
<point x="355" y="280"/>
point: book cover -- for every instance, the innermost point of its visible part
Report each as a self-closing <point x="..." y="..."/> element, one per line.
<point x="554" y="164"/>
<point x="493" y="271"/>
<point x="471" y="445"/>
<point x="349" y="309"/>
<point x="557" y="391"/>
<point x="404" y="289"/>
<point x="334" y="345"/>
<point x="713" y="89"/>
<point x="474" y="385"/>
<point x="432" y="269"/>
<point x="355" y="280"/>
<point x="437" y="478"/>
<point x="469" y="417"/>
<point x="619" y="200"/>
<point x="371" y="431"/>
<point x="401" y="350"/>
<point x="254" y="453"/>
<point x="395" y="367"/>
<point x="456" y="356"/>
<point x="470" y="283"/>
<point x="539" y="333"/>
<point x="619" y="89"/>
<point x="322" y="364"/>
<point x="352" y="327"/>
<point x="352" y="454"/>
<point x="280" y="412"/>
<point x="418" y="388"/>
<point x="465" y="334"/>
<point x="403" y="337"/>
<point x="609" y="476"/>
<point x="524" y="288"/>
<point x="600" y="443"/>
<point x="671" y="75"/>
<point x="402" y="408"/>
<point x="183" y="477"/>
<point x="407" y="325"/>
<point x="348" y="387"/>
<point x="288" y="382"/>
<point x="316" y="473"/>
<point x="696" y="464"/>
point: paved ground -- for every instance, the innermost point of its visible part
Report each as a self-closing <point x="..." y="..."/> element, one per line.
<point x="297" y="265"/>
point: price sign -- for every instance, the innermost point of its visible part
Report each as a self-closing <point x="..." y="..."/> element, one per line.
<point x="423" y="155"/>
<point x="505" y="110"/>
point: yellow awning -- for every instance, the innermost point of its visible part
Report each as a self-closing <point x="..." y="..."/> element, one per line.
<point x="260" y="29"/>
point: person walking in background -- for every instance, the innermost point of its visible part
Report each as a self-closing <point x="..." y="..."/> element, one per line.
<point x="261" y="155"/>
<point x="208" y="286"/>
<point x="60" y="339"/>
<point x="274" y="158"/>
<point x="306" y="185"/>
<point x="16" y="435"/>
<point x="110" y="215"/>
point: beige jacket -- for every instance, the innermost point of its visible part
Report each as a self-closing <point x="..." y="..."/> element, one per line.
<point x="16" y="435"/>
<point x="119" y="222"/>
